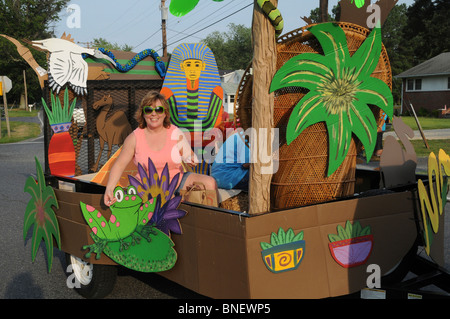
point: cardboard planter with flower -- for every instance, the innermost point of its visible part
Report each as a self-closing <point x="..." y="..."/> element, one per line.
<point x="329" y="218"/>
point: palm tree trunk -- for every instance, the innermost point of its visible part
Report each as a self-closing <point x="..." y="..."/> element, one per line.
<point x="264" y="68"/>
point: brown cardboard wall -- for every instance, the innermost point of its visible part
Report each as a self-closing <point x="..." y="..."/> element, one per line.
<point x="219" y="252"/>
<point x="75" y="233"/>
<point x="211" y="254"/>
<point x="319" y="275"/>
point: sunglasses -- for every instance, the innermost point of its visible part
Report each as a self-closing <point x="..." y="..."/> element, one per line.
<point x="149" y="110"/>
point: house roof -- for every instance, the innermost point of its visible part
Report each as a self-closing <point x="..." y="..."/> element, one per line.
<point x="230" y="81"/>
<point x="229" y="88"/>
<point x="439" y="65"/>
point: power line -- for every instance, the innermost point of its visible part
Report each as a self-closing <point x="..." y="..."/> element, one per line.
<point x="147" y="38"/>
<point x="211" y="16"/>
<point x="210" y="25"/>
<point x="157" y="48"/>
<point x="121" y="28"/>
<point x="120" y="17"/>
<point x="183" y="33"/>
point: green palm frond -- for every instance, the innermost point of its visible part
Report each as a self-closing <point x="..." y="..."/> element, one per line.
<point x="39" y="213"/>
<point x="340" y="89"/>
<point x="59" y="114"/>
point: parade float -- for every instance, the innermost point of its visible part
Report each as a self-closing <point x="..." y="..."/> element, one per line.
<point x="313" y="220"/>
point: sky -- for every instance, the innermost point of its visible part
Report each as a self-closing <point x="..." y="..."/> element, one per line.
<point x="137" y="23"/>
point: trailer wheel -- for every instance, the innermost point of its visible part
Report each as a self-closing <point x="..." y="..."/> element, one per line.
<point x="91" y="281"/>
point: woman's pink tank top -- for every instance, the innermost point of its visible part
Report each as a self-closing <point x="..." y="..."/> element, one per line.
<point x="160" y="158"/>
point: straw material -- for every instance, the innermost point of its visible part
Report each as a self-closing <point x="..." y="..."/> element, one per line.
<point x="238" y="203"/>
<point x="301" y="178"/>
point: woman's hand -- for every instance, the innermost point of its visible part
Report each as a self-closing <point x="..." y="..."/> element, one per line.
<point x="109" y="198"/>
<point x="191" y="161"/>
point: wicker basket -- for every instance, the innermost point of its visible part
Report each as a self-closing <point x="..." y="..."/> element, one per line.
<point x="301" y="178"/>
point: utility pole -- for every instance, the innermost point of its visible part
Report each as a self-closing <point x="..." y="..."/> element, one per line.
<point x="163" y="26"/>
<point x="323" y="8"/>
<point x="87" y="44"/>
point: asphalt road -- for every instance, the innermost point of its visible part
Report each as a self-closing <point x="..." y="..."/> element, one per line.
<point x="21" y="279"/>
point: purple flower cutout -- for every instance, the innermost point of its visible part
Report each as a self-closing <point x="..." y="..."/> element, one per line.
<point x="166" y="214"/>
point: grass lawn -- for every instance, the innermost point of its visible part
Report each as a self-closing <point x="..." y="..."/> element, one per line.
<point x="427" y="123"/>
<point x="22" y="113"/>
<point x="19" y="131"/>
<point x="435" y="145"/>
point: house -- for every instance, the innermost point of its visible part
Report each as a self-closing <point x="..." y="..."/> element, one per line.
<point x="427" y="85"/>
<point x="229" y="83"/>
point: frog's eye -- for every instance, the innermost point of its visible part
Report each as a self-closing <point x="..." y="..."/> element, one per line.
<point x="131" y="190"/>
<point x="118" y="195"/>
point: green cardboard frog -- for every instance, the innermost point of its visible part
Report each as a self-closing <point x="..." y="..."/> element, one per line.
<point x="127" y="237"/>
<point x="127" y="214"/>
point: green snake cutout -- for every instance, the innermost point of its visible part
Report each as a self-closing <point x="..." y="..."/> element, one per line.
<point x="273" y="14"/>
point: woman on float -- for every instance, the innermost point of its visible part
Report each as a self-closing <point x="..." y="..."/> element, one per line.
<point x="160" y="140"/>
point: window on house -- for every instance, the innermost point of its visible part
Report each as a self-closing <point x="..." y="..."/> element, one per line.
<point x="448" y="83"/>
<point x="418" y="84"/>
<point x="414" y="84"/>
<point x="410" y="85"/>
<point x="231" y="98"/>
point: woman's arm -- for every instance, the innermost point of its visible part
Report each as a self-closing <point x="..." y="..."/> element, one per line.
<point x="187" y="155"/>
<point x="125" y="156"/>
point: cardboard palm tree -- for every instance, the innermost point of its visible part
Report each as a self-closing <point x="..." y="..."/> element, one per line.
<point x="264" y="67"/>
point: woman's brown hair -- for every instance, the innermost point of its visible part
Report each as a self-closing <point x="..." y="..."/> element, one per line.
<point x="150" y="99"/>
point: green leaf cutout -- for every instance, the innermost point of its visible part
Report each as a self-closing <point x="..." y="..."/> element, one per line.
<point x="39" y="213"/>
<point x="59" y="114"/>
<point x="350" y="231"/>
<point x="282" y="238"/>
<point x="340" y="89"/>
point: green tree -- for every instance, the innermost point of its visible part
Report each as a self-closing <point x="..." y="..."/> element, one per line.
<point x="393" y="37"/>
<point x="315" y="15"/>
<point x="31" y="20"/>
<point x="103" y="43"/>
<point x="233" y="49"/>
<point x="427" y="29"/>
<point x="438" y="29"/>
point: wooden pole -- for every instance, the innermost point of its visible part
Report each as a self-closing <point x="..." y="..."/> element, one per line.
<point x="163" y="27"/>
<point x="323" y="8"/>
<point x="5" y="103"/>
<point x="420" y="127"/>
<point x="25" y="86"/>
<point x="264" y="68"/>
